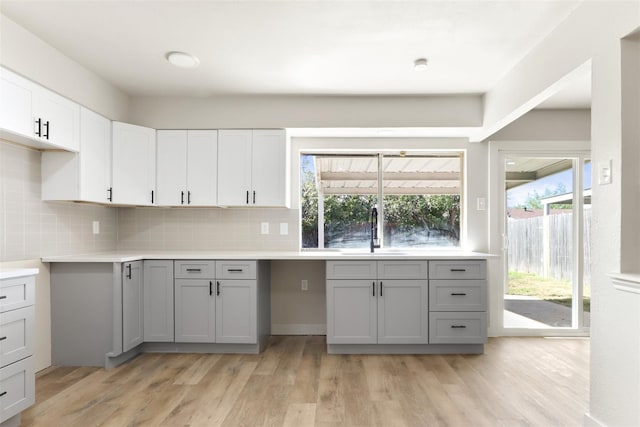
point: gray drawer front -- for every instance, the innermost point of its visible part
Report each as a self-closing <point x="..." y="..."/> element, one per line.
<point x="457" y="295"/>
<point x="19" y="382"/>
<point x="195" y="269"/>
<point x="16" y="335"/>
<point x="352" y="270"/>
<point x="236" y="269"/>
<point x="17" y="293"/>
<point x="402" y="270"/>
<point x="457" y="328"/>
<point x="471" y="269"/>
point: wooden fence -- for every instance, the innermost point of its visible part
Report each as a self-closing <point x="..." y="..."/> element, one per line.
<point x="526" y="246"/>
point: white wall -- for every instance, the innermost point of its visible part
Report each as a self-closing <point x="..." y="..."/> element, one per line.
<point x="32" y="57"/>
<point x="306" y="111"/>
<point x="548" y="125"/>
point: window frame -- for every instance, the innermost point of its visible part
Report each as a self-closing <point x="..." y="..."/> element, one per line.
<point x="381" y="154"/>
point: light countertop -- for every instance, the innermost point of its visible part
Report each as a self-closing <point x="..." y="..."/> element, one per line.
<point x="11" y="273"/>
<point x="268" y="255"/>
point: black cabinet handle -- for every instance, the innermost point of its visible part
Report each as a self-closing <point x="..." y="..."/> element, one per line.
<point x="373" y="288"/>
<point x="39" y="130"/>
<point x="210" y="288"/>
<point x="3" y="393"/>
<point x="151" y="196"/>
<point x="458" y="327"/>
<point x="218" y="288"/>
<point x="190" y="270"/>
<point x="458" y="269"/>
<point x="234" y="270"/>
<point x="254" y="197"/>
<point x="381" y="288"/>
<point x="110" y="196"/>
<point x="3" y="338"/>
<point x="188" y="197"/>
<point x="3" y="297"/>
<point x="46" y="126"/>
<point x="247" y="196"/>
<point x="129" y="271"/>
<point x="458" y="294"/>
<point x="182" y="197"/>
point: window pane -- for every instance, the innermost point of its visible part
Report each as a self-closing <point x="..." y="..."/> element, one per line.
<point x="337" y="191"/>
<point x="422" y="200"/>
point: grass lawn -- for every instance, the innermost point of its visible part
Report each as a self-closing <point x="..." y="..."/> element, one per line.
<point x="556" y="291"/>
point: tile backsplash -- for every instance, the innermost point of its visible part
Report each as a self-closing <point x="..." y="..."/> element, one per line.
<point x="200" y="229"/>
<point x="31" y="228"/>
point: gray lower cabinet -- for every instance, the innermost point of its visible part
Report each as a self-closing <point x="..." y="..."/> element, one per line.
<point x="457" y="302"/>
<point x="132" y="306"/>
<point x="236" y="311"/>
<point x="158" y="301"/>
<point x="377" y="302"/>
<point x="195" y="305"/>
<point x="17" y="377"/>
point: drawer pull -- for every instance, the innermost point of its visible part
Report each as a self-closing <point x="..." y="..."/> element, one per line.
<point x="462" y="294"/>
<point x="234" y="270"/>
<point x="194" y="270"/>
<point x="3" y="297"/>
<point x="458" y="269"/>
<point x="3" y="393"/>
<point x="3" y="338"/>
<point x="458" y="327"/>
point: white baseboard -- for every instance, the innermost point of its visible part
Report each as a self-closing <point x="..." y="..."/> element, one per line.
<point x="298" y="329"/>
<point x="590" y="421"/>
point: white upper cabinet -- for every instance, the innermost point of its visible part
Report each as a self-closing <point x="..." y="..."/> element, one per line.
<point x="253" y="168"/>
<point x="187" y="167"/>
<point x="33" y="115"/>
<point x="134" y="165"/>
<point x="83" y="176"/>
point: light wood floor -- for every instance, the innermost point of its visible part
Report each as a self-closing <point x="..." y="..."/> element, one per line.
<point x="517" y="382"/>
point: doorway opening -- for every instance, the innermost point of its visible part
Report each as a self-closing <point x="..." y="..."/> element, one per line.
<point x="547" y="238"/>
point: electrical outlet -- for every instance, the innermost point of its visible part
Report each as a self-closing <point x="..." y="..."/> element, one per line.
<point x="264" y="228"/>
<point x="305" y="285"/>
<point x="96" y="227"/>
<point x="482" y="204"/>
<point x="284" y="228"/>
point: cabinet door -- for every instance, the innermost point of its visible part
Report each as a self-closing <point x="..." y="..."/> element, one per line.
<point x="132" y="305"/>
<point x="158" y="301"/>
<point x="270" y="168"/>
<point x="202" y="168"/>
<point x="60" y="119"/>
<point x="236" y="311"/>
<point x="172" y="167"/>
<point x="134" y="164"/>
<point x="95" y="156"/>
<point x="18" y="385"/>
<point x="234" y="168"/>
<point x="16" y="103"/>
<point x="351" y="312"/>
<point x="195" y="307"/>
<point x="403" y="312"/>
<point x="16" y="335"/>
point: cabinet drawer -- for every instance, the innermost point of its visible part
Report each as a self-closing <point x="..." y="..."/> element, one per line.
<point x="458" y="269"/>
<point x="17" y="293"/>
<point x="195" y="269"/>
<point x="352" y="270"/>
<point x="18" y="388"/>
<point x="457" y="328"/>
<point x="457" y="295"/>
<point x="236" y="269"/>
<point x="16" y="335"/>
<point x="402" y="270"/>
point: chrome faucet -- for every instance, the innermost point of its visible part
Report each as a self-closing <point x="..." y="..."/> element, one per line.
<point x="375" y="242"/>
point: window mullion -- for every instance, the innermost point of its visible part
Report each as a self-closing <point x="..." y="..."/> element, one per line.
<point x="380" y="201"/>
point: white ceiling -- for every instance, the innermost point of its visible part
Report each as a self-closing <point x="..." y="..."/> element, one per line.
<point x="296" y="47"/>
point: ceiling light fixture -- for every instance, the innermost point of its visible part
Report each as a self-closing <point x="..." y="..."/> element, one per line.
<point x="182" y="59"/>
<point x="420" y="64"/>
